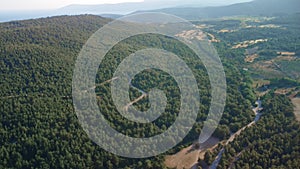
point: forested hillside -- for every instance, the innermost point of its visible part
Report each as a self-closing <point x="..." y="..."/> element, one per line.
<point x="272" y="143"/>
<point x="266" y="49"/>
<point x="38" y="125"/>
<point x="252" y="8"/>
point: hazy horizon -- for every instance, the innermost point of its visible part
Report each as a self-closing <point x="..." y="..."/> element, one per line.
<point x="36" y="5"/>
<point x="32" y="9"/>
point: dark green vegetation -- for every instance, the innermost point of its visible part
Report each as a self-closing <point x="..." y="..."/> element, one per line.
<point x="39" y="128"/>
<point x="254" y="8"/>
<point x="38" y="125"/>
<point x="281" y="35"/>
<point x="236" y="114"/>
<point x="284" y="82"/>
<point x="272" y="143"/>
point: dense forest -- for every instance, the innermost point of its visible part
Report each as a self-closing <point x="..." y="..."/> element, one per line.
<point x="272" y="143"/>
<point x="38" y="124"/>
<point x="39" y="127"/>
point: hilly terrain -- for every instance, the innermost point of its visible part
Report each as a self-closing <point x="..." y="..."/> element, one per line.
<point x="38" y="124"/>
<point x="39" y="127"/>
<point x="267" y="49"/>
<point x="253" y="8"/>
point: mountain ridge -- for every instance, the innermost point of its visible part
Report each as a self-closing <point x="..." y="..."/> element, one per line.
<point x="253" y="8"/>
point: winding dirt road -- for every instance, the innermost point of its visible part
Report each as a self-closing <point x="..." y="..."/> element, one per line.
<point x="257" y="111"/>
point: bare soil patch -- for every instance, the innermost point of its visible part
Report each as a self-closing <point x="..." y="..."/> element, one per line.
<point x="296" y="102"/>
<point x="192" y="34"/>
<point x="286" y="53"/>
<point x="213" y="38"/>
<point x="188" y="157"/>
<point x="251" y="58"/>
<point x="225" y="31"/>
<point x="247" y="43"/>
<point x="284" y="91"/>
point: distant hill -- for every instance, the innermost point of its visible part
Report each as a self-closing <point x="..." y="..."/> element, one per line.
<point x="189" y="9"/>
<point x="121" y="8"/>
<point x="254" y="8"/>
<point x="126" y="8"/>
<point x="111" y="10"/>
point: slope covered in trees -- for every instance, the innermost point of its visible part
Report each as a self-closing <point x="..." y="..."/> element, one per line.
<point x="38" y="125"/>
<point x="272" y="143"/>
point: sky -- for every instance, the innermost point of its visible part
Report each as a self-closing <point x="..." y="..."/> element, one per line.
<point x="11" y="5"/>
<point x="21" y="5"/>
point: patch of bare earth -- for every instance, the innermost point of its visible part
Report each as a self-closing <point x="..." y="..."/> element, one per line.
<point x="286" y="53"/>
<point x="287" y="58"/>
<point x="225" y="31"/>
<point x="247" y="43"/>
<point x="284" y="91"/>
<point x="296" y="102"/>
<point x="192" y="34"/>
<point x="269" y="26"/>
<point x="213" y="38"/>
<point x="188" y="157"/>
<point x="204" y="26"/>
<point x="251" y="58"/>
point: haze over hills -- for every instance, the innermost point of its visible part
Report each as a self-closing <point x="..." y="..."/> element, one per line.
<point x="190" y="9"/>
<point x="253" y="8"/>
<point x="126" y="8"/>
<point x="39" y="125"/>
<point x="112" y="9"/>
